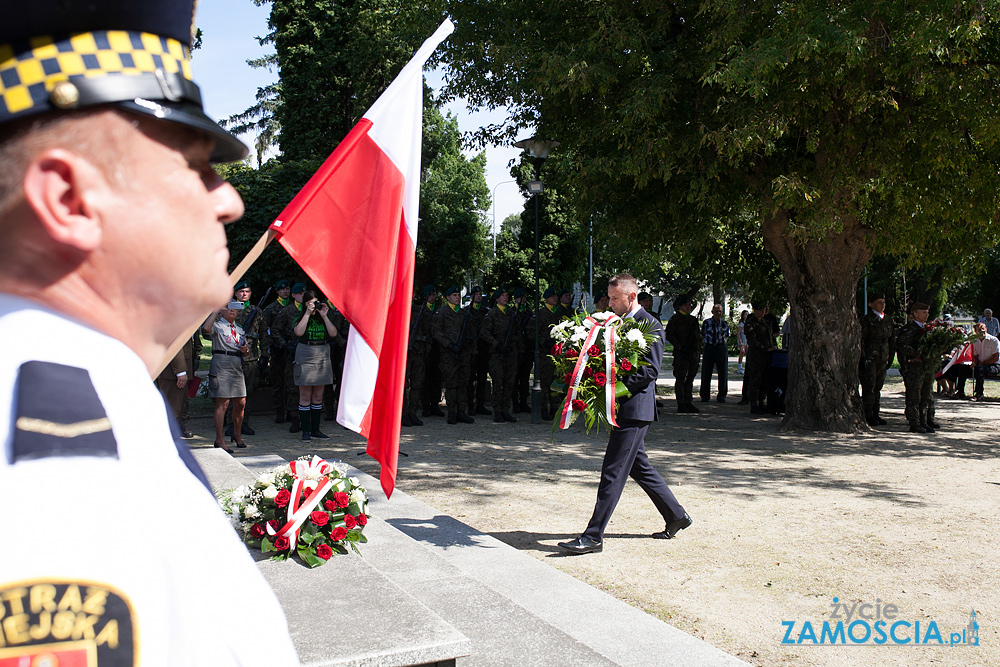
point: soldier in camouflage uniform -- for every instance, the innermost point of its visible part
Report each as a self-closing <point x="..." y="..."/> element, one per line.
<point x="480" y="363"/>
<point x="547" y="316"/>
<point x="521" y="396"/>
<point x="760" y="344"/>
<point x="684" y="333"/>
<point x="878" y="343"/>
<point x="918" y="374"/>
<point x="450" y="329"/>
<point x="421" y="317"/>
<point x="501" y="334"/>
<point x="275" y="350"/>
<point x="283" y="335"/>
<point x="566" y="303"/>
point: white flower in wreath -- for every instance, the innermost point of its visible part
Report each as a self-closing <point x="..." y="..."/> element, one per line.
<point x="602" y="316"/>
<point x="635" y="336"/>
<point x="579" y="334"/>
<point x="588" y="324"/>
<point x="270" y="492"/>
<point x="251" y="512"/>
<point x="267" y="479"/>
<point x="359" y="496"/>
<point x="240" y="493"/>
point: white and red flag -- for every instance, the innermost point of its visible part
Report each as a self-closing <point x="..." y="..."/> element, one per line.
<point x="353" y="229"/>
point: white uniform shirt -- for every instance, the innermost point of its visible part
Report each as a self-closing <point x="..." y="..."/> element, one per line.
<point x="94" y="544"/>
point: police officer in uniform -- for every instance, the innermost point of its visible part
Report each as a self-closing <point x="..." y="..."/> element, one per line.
<point x="283" y="333"/>
<point x="500" y="331"/>
<point x="449" y="328"/>
<point x="109" y="190"/>
<point x="480" y="362"/>
<point x="878" y="334"/>
<point x="547" y="316"/>
<point x="421" y="319"/>
<point x="683" y="332"/>
<point x="275" y="348"/>
<point x="760" y="344"/>
<point x="918" y="373"/>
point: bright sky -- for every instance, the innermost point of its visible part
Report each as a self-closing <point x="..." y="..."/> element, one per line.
<point x="229" y="85"/>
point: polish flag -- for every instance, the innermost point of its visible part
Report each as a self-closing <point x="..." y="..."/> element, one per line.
<point x="353" y="229"/>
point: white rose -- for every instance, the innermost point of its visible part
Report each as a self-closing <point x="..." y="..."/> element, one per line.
<point x="270" y="492"/>
<point x="267" y="479"/>
<point x="359" y="496"/>
<point x="251" y="512"/>
<point x="240" y="493"/>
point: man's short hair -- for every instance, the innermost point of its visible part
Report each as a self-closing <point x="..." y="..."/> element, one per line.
<point x="644" y="296"/>
<point x="624" y="281"/>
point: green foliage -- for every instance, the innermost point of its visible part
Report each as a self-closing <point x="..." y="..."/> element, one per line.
<point x="452" y="240"/>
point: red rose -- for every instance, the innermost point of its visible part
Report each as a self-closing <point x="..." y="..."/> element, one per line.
<point x="579" y="405"/>
<point x="338" y="533"/>
<point x="342" y="499"/>
<point x="324" y="551"/>
<point x="281" y="543"/>
<point x="350" y="521"/>
<point x="557" y="349"/>
<point x="273" y="523"/>
<point x="600" y="379"/>
<point x="588" y="372"/>
<point x="319" y="518"/>
<point x="330" y="505"/>
<point x="593" y="350"/>
<point x="256" y="531"/>
<point x="626" y="365"/>
<point x="362" y="520"/>
<point x="568" y="378"/>
<point x="571" y="353"/>
<point x="283" y="498"/>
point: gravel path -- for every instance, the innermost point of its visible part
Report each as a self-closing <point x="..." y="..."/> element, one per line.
<point x="784" y="523"/>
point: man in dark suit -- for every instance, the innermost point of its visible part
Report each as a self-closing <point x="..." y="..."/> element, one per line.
<point x="626" y="453"/>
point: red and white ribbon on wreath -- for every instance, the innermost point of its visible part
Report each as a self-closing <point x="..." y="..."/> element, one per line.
<point x="609" y="327"/>
<point x="308" y="489"/>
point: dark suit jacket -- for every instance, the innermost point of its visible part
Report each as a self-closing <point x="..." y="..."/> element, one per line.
<point x="641" y="405"/>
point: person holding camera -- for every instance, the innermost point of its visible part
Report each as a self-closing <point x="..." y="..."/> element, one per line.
<point x="312" y="367"/>
<point x="225" y="376"/>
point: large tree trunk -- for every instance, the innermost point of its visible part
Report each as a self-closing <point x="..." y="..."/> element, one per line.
<point x="824" y="347"/>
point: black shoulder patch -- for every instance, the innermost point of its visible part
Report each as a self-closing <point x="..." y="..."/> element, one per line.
<point x="58" y="413"/>
<point x="59" y="622"/>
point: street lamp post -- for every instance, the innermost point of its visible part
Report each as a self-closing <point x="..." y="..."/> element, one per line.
<point x="539" y="150"/>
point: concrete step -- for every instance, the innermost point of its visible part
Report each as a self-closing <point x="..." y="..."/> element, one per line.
<point x="513" y="608"/>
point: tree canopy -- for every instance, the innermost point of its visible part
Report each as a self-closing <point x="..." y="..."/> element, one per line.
<point x="842" y="130"/>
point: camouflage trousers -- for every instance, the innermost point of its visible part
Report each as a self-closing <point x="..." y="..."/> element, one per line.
<point x="919" y="387"/>
<point x="455" y="378"/>
<point x="503" y="371"/>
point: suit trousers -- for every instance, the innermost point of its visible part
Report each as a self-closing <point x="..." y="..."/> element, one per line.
<point x="872" y="381"/>
<point x="626" y="457"/>
<point x="715" y="358"/>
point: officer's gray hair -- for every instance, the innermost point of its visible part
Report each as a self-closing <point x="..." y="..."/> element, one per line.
<point x="20" y="142"/>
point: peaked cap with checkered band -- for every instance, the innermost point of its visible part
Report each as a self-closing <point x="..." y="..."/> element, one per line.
<point x="134" y="54"/>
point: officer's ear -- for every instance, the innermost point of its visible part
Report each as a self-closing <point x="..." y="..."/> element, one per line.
<point x="61" y="188"/>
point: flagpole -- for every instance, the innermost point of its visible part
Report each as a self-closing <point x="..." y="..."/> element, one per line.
<point x="255" y="252"/>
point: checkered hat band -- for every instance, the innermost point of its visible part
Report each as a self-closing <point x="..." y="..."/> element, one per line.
<point x="28" y="71"/>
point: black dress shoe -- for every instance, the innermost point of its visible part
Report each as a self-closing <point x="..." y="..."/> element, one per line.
<point x="917" y="428"/>
<point x="415" y="420"/>
<point x="465" y="419"/>
<point x="319" y="435"/>
<point x="583" y="545"/>
<point x="934" y="425"/>
<point x="187" y="434"/>
<point x="452" y="419"/>
<point x="405" y="421"/>
<point x="674" y="527"/>
<point x="508" y="417"/>
<point x="498" y="417"/>
<point x="246" y="430"/>
<point x="692" y="409"/>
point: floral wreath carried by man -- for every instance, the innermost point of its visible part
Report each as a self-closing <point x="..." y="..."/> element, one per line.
<point x="594" y="356"/>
